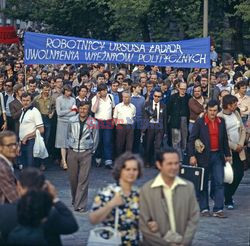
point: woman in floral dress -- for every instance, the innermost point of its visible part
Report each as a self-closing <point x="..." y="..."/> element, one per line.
<point x="127" y="169"/>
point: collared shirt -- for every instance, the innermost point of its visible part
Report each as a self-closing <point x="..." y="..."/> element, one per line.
<point x="104" y="111"/>
<point x="124" y="113"/>
<point x="46" y="106"/>
<point x="168" y="194"/>
<point x="30" y="120"/>
<point x="243" y="104"/>
<point x="156" y="106"/>
<point x="213" y="128"/>
<point x="228" y="87"/>
<point x="10" y="98"/>
<point x="55" y="94"/>
<point x="116" y="97"/>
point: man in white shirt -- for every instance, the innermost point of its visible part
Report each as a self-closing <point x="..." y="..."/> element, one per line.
<point x="236" y="137"/>
<point x="224" y="84"/>
<point x="124" y="119"/>
<point x="102" y="106"/>
<point x="243" y="101"/>
<point x="30" y="121"/>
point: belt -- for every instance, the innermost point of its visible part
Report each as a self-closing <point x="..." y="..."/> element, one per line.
<point x="79" y="150"/>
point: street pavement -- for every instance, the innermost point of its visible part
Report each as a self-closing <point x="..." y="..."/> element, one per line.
<point x="232" y="231"/>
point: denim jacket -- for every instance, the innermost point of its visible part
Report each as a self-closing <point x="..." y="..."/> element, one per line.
<point x="89" y="138"/>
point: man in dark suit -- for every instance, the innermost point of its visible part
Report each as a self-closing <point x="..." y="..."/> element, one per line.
<point x="16" y="106"/>
<point x="154" y="126"/>
<point x="178" y="114"/>
<point x="8" y="151"/>
<point x="210" y="132"/>
<point x="60" y="220"/>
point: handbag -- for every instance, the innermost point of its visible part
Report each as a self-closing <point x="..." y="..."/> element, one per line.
<point x="228" y="173"/>
<point x="39" y="150"/>
<point x="95" y="238"/>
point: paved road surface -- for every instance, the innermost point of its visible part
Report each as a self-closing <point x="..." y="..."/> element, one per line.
<point x="233" y="231"/>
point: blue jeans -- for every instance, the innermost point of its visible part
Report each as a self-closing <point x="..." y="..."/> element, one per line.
<point x="216" y="170"/>
<point x="190" y="127"/>
<point x="104" y="149"/>
<point x="26" y="158"/>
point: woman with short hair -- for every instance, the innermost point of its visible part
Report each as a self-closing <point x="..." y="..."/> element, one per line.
<point x="122" y="194"/>
<point x="64" y="110"/>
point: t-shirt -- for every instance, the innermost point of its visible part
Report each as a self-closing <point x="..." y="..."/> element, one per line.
<point x="104" y="111"/>
<point x="30" y="120"/>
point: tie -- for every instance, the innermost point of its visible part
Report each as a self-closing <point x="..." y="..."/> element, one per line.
<point x="156" y="109"/>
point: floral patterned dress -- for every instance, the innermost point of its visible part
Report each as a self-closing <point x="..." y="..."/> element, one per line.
<point x="128" y="224"/>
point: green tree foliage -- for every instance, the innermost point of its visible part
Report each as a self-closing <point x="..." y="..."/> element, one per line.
<point x="243" y="10"/>
<point x="136" y="20"/>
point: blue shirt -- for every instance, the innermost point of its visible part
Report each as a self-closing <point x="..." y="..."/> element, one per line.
<point x="116" y="97"/>
<point x="138" y="102"/>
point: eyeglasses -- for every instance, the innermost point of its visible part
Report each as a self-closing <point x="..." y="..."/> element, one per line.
<point x="10" y="145"/>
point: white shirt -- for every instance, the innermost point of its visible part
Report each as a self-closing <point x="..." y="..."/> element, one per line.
<point x="243" y="104"/>
<point x="104" y="111"/>
<point x="2" y="103"/>
<point x="158" y="112"/>
<point x="228" y="87"/>
<point x="29" y="122"/>
<point x="168" y="194"/>
<point x="124" y="113"/>
<point x="232" y="126"/>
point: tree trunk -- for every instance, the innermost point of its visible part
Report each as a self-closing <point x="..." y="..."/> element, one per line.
<point x="145" y="29"/>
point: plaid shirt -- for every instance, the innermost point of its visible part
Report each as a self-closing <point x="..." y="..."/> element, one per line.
<point x="8" y="190"/>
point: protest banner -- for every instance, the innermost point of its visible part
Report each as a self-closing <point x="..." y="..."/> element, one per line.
<point x="54" y="49"/>
<point x="8" y="35"/>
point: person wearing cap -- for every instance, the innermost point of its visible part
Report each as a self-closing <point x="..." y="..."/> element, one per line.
<point x="102" y="106"/>
<point x="210" y="131"/>
<point x="64" y="104"/>
<point x="236" y="137"/>
<point x="16" y="106"/>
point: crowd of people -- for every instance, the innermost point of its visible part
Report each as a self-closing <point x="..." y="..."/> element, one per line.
<point x="97" y="113"/>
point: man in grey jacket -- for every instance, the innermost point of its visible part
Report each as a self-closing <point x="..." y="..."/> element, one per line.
<point x="169" y="212"/>
<point x="83" y="137"/>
